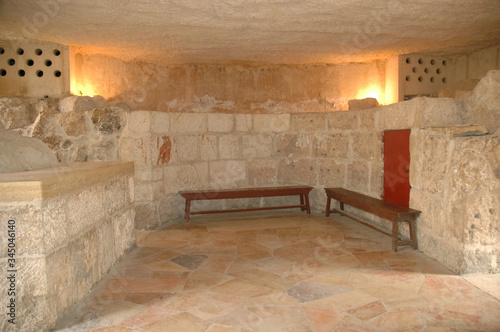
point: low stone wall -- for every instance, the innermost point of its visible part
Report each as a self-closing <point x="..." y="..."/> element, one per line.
<point x="71" y="224"/>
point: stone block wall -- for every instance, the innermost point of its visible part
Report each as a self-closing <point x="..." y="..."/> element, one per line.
<point x="71" y="225"/>
<point x="183" y="151"/>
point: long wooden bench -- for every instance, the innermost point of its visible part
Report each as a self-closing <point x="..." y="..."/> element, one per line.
<point x="393" y="212"/>
<point x="302" y="191"/>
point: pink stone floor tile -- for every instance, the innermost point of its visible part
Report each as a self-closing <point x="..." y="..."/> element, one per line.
<point x="280" y="272"/>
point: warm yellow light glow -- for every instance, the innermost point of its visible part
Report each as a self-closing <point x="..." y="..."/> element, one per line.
<point x="373" y="91"/>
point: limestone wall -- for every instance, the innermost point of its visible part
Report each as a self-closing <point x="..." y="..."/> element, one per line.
<point x="455" y="182"/>
<point x="71" y="224"/>
<point x="227" y="88"/>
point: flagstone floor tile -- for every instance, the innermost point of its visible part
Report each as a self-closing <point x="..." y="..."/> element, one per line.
<point x="282" y="272"/>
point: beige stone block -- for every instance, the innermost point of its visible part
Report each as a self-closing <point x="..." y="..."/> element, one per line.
<point x="358" y="176"/>
<point x="123" y="230"/>
<point x="137" y="150"/>
<point x="366" y="146"/>
<point x="14" y="113"/>
<point x="160" y="123"/>
<point x="78" y="104"/>
<point x="438" y="112"/>
<point x="85" y="209"/>
<point x="54" y="223"/>
<point x="402" y="115"/>
<point x="87" y="262"/>
<point x="144" y="191"/>
<point x="230" y="147"/>
<point x="262" y="172"/>
<point x="309" y="122"/>
<point x="105" y="247"/>
<point x="257" y="146"/>
<point x="368" y="119"/>
<point x="139" y="121"/>
<point x="434" y="165"/>
<point x="28" y="226"/>
<point x="171" y="209"/>
<point x="61" y="279"/>
<point x="186" y="148"/>
<point x="146" y="215"/>
<point x="188" y="122"/>
<point x="117" y="195"/>
<point x="220" y="123"/>
<point x="108" y="120"/>
<point x="186" y="177"/>
<point x="361" y="104"/>
<point x="474" y="197"/>
<point x="302" y="171"/>
<point x="330" y="146"/>
<point x="227" y="174"/>
<point x="341" y="120"/>
<point x="276" y="123"/>
<point x="331" y="173"/>
<point x="292" y="145"/>
<point x="209" y="147"/>
<point x="74" y="124"/>
<point x="32" y="296"/>
<point x="149" y="174"/>
<point x="243" y="122"/>
<point x="377" y="177"/>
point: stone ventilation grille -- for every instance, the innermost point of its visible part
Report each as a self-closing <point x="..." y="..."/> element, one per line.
<point x="423" y="75"/>
<point x="34" y="70"/>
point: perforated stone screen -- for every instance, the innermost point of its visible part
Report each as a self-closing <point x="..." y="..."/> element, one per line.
<point x="33" y="70"/>
<point x="423" y="75"/>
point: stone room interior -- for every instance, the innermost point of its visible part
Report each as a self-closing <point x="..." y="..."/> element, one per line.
<point x="114" y="113"/>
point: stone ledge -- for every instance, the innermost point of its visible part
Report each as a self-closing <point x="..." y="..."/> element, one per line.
<point x="51" y="182"/>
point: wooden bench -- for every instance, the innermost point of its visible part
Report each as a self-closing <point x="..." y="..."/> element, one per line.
<point x="302" y="191"/>
<point x="393" y="212"/>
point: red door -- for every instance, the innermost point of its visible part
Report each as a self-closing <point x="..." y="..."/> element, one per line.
<point x="397" y="166"/>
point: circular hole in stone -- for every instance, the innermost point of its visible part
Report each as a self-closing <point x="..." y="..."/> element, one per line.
<point x="426" y="70"/>
<point x="57" y="73"/>
<point x="444" y="62"/>
<point x="48" y="63"/>
<point x="443" y="80"/>
<point x="11" y="62"/>
<point x="438" y="71"/>
<point x="38" y="51"/>
<point x="20" y="51"/>
<point x="408" y="60"/>
<point x="407" y="78"/>
<point x="30" y="62"/>
<point x="420" y="78"/>
<point x="57" y="52"/>
<point x="2" y="51"/>
<point x="432" y="79"/>
<point x="3" y="72"/>
<point x="420" y="61"/>
<point x="39" y="73"/>
<point x="414" y="69"/>
<point x="21" y="72"/>
<point x="433" y="62"/>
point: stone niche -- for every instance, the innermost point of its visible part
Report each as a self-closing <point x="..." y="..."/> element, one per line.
<point x="72" y="223"/>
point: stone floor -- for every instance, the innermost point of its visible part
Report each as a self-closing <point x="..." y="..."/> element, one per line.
<point x="286" y="272"/>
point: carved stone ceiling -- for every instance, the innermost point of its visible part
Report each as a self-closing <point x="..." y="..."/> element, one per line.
<point x="256" y="31"/>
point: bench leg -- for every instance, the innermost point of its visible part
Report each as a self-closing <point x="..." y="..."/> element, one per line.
<point x="302" y="208"/>
<point x="413" y="238"/>
<point x="328" y="203"/>
<point x="395" y="233"/>
<point x="188" y="209"/>
<point x="342" y="206"/>
<point x="308" y="207"/>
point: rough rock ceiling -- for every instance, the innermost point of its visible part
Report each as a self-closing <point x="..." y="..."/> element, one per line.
<point x="256" y="31"/>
